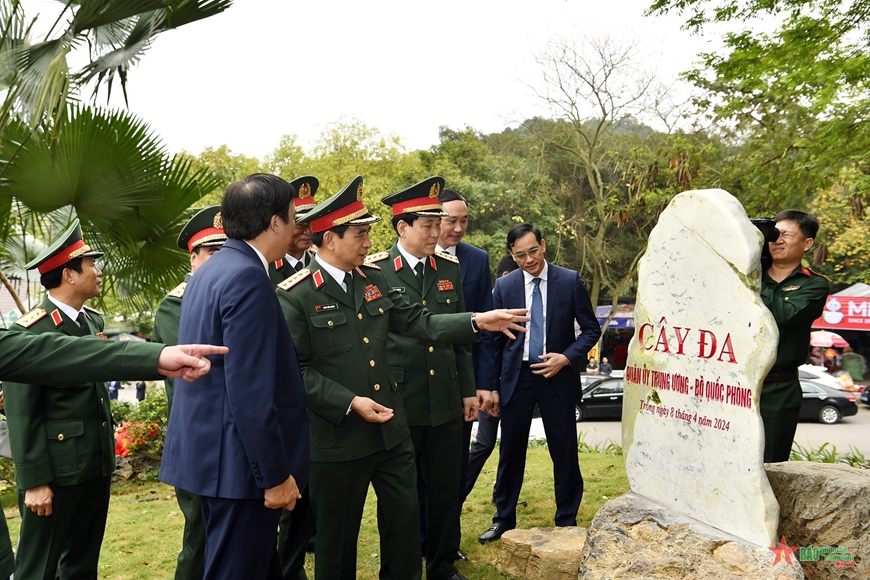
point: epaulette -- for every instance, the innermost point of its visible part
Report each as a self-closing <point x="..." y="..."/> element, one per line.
<point x="447" y="256"/>
<point x="380" y="256"/>
<point x="29" y="318"/>
<point x="94" y="310"/>
<point x="809" y="272"/>
<point x="294" y="279"/>
<point x="178" y="291"/>
<point x="375" y="266"/>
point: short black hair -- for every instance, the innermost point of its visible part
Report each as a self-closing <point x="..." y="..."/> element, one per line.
<point x="450" y="195"/>
<point x="519" y="231"/>
<point x="808" y="225"/>
<point x="506" y="264"/>
<point x="248" y="205"/>
<point x="53" y="278"/>
<point x="408" y="218"/>
<point x="317" y="237"/>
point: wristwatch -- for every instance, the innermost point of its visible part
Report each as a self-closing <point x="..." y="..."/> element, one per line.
<point x="474" y="322"/>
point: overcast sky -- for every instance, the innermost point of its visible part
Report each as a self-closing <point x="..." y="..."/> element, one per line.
<point x="266" y="68"/>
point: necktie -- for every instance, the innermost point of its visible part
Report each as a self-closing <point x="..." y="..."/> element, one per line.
<point x="299" y="265"/>
<point x="418" y="269"/>
<point x="536" y="324"/>
<point x="348" y="281"/>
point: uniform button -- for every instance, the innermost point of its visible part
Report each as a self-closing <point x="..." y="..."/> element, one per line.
<point x="786" y="298"/>
<point x="381" y="310"/>
<point x="105" y="424"/>
<point x="330" y="323"/>
<point x="377" y="387"/>
<point x="60" y="436"/>
<point x="359" y="315"/>
<point x="371" y="363"/>
<point x="431" y="349"/>
<point x="101" y="400"/>
<point x="431" y="371"/>
<point x="366" y="339"/>
<point x="448" y="301"/>
<point x="424" y="303"/>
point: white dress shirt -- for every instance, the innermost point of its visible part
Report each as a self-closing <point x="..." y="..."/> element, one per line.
<point x="336" y="273"/>
<point x="412" y="260"/>
<point x="262" y="258"/>
<point x="293" y="261"/>
<point x="529" y="287"/>
<point x="451" y="250"/>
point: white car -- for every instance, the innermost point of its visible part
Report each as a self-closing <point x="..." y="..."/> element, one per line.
<point x="821" y="375"/>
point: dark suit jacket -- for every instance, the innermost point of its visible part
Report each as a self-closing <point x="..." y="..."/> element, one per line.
<point x="243" y="428"/>
<point x="564" y="288"/>
<point x="477" y="288"/>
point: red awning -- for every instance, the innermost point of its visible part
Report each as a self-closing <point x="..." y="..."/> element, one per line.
<point x="845" y="313"/>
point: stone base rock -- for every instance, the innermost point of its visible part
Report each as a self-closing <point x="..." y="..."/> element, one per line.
<point x="825" y="505"/>
<point x="541" y="553"/>
<point x="632" y="538"/>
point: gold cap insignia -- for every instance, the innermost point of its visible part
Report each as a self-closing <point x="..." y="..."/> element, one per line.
<point x="304" y="191"/>
<point x="434" y="190"/>
<point x="359" y="192"/>
<point x="218" y="221"/>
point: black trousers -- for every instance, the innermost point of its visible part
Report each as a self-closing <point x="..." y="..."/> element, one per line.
<point x="780" y="408"/>
<point x="240" y="538"/>
<point x="561" y="431"/>
<point x="481" y="449"/>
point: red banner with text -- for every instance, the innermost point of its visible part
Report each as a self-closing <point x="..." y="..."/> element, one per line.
<point x="845" y="313"/>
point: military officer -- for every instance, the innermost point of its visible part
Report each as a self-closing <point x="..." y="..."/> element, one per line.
<point x="796" y="296"/>
<point x="300" y="251"/>
<point x="201" y="237"/>
<point x="340" y="312"/>
<point x="436" y="379"/>
<point x="62" y="440"/>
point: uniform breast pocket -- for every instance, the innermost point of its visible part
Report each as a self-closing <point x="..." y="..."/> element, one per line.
<point x="64" y="439"/>
<point x="448" y="297"/>
<point x="379" y="317"/>
<point x="330" y="334"/>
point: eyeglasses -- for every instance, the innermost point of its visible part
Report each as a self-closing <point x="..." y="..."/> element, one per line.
<point x="533" y="253"/>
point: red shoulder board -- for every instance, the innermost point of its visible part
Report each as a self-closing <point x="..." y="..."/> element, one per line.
<point x="432" y="263"/>
<point x="318" y="279"/>
<point x="397" y="263"/>
<point x="808" y="272"/>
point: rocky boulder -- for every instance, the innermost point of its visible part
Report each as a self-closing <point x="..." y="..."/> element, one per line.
<point x="825" y="505"/>
<point x="632" y="538"/>
<point x="541" y="553"/>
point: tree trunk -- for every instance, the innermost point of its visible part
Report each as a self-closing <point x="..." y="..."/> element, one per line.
<point x="12" y="291"/>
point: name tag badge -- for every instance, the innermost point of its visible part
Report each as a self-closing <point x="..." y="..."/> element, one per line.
<point x="399" y="289"/>
<point x="324" y="307"/>
<point x="790" y="288"/>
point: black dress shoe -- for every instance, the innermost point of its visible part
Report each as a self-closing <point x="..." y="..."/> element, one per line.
<point x="460" y="555"/>
<point x="458" y="576"/>
<point x="492" y="534"/>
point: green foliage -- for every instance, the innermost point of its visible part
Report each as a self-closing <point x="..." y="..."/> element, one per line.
<point x="145" y="423"/>
<point x="845" y="229"/>
<point x="827" y="453"/>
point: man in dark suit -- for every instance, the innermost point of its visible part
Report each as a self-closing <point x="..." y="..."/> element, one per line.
<point x="299" y="252"/>
<point x="201" y="237"/>
<point x="477" y="289"/>
<point x="239" y="437"/>
<point x="544" y="370"/>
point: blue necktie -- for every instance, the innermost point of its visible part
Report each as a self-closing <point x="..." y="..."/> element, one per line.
<point x="536" y="324"/>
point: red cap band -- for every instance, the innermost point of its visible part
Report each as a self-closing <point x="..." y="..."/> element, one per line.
<point x="330" y="220"/>
<point x="192" y="243"/>
<point x="417" y="204"/>
<point x="61" y="257"/>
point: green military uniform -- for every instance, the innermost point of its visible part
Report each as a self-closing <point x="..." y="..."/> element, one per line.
<point x="341" y="339"/>
<point x="282" y="269"/>
<point x="433" y="402"/>
<point x="795" y="303"/>
<point x="305" y="187"/>
<point x="64" y="359"/>
<point x="204" y="229"/>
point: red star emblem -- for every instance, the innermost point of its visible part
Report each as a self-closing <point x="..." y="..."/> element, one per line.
<point x="782" y="551"/>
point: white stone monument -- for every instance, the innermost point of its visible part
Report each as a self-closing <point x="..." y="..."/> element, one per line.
<point x="691" y="430"/>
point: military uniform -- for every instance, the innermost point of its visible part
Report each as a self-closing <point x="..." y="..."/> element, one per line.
<point x="205" y="229"/>
<point x="795" y="303"/>
<point x="279" y="270"/>
<point x="341" y="338"/>
<point x="433" y="402"/>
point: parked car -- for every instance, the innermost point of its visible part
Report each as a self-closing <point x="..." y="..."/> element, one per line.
<point x="865" y="396"/>
<point x="826" y="404"/>
<point x="601" y="399"/>
<point x="843" y="382"/>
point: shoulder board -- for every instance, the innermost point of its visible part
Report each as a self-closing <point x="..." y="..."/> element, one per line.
<point x="178" y="291"/>
<point x="448" y="257"/>
<point x="807" y="272"/>
<point x="380" y="256"/>
<point x="820" y="275"/>
<point x="28" y="319"/>
<point x="294" y="279"/>
<point x="94" y="310"/>
<point x="368" y="265"/>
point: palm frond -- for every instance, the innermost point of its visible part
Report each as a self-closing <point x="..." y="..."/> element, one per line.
<point x="94" y="13"/>
<point x="184" y="12"/>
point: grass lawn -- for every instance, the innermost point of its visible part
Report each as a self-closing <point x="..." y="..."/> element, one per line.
<point x="143" y="534"/>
